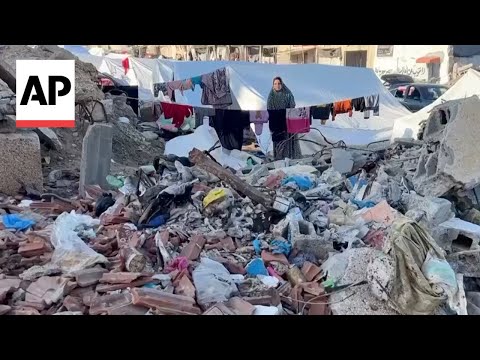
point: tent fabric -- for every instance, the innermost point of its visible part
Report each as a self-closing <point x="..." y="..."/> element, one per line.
<point x="466" y="50"/>
<point x="408" y="126"/>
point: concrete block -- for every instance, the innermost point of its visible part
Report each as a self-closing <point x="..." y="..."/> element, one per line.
<point x="304" y="238"/>
<point x="96" y="156"/>
<point x="436" y="210"/>
<point x="49" y="137"/>
<point x="8" y="124"/>
<point x="464" y="233"/>
<point x="20" y="162"/>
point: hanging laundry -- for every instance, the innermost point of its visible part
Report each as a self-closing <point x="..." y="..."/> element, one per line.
<point x="126" y="65"/>
<point x="187" y="85"/>
<point x="229" y="125"/>
<point x="176" y="112"/>
<point x="342" y="107"/>
<point x="258" y="118"/>
<point x="200" y="113"/>
<point x="160" y="87"/>
<point x="298" y="120"/>
<point x="216" y="89"/>
<point x="373" y="103"/>
<point x="321" y="112"/>
<point x="358" y="104"/>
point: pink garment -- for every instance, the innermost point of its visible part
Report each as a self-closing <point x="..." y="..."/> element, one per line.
<point x="180" y="263"/>
<point x="298" y="120"/>
<point x="258" y="118"/>
<point x="178" y="85"/>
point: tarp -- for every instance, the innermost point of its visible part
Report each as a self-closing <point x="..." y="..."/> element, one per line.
<point x="408" y="126"/>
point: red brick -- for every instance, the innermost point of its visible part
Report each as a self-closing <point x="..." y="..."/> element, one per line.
<point x="228" y="244"/>
<point x="268" y="257"/>
<point x="217" y="246"/>
<point x="271" y="298"/>
<point x="193" y="249"/>
<point x="235" y="268"/>
<point x="103" y="288"/>
<point x="240" y="306"/>
<point x="74" y="304"/>
<point x="219" y="309"/>
<point x="319" y="309"/>
<point x="47" y="289"/>
<point x="175" y="241"/>
<point x="313" y="288"/>
<point x="184" y="287"/>
<point x="4" y="309"/>
<point x="119" y="277"/>
<point x="10" y="283"/>
<point x="103" y="304"/>
<point x="36" y="305"/>
<point x="310" y="270"/>
<point x="24" y="311"/>
<point x="89" y="277"/>
<point x="164" y="302"/>
<point x="34" y="246"/>
<point x="128" y="310"/>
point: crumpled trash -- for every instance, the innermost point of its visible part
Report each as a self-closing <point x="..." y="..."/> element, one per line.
<point x="303" y="182"/>
<point x="281" y="247"/>
<point x="115" y="182"/>
<point x="256" y="267"/>
<point x="214" y="195"/>
<point x="332" y="177"/>
<point x="158" y="221"/>
<point x="213" y="282"/>
<point x="218" y="200"/>
<point x="269" y="281"/>
<point x="266" y="310"/>
<point x="103" y="203"/>
<point x="71" y="254"/>
<point x="179" y="263"/>
<point x="17" y="222"/>
<point x="129" y="187"/>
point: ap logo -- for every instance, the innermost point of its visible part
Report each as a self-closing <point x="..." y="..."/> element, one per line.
<point x="45" y="93"/>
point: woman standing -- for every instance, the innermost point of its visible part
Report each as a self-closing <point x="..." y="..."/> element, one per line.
<point x="279" y="100"/>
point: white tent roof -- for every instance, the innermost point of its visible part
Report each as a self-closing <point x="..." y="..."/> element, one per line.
<point x="408" y="126"/>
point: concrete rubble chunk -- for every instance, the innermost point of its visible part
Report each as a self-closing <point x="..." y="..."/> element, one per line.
<point x="37" y="271"/>
<point x="119" y="278"/>
<point x="464" y="233"/>
<point x="96" y="156"/>
<point x="21" y="162"/>
<point x="450" y="131"/>
<point x="435" y="210"/>
<point x="4" y="309"/>
<point x="50" y="138"/>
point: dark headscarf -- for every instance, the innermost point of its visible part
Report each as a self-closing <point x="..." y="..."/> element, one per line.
<point x="279" y="100"/>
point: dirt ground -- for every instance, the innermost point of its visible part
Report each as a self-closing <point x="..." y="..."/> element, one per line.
<point x="130" y="150"/>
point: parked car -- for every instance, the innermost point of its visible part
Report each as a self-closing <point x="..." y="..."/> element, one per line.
<point x="416" y="96"/>
<point x="394" y="80"/>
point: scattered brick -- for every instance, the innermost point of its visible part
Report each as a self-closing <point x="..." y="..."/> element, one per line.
<point x="24" y="311"/>
<point x="228" y="244"/>
<point x="310" y="270"/>
<point x="163" y="302"/>
<point x="4" y="309"/>
<point x="193" y="249"/>
<point x="47" y="289"/>
<point x="184" y="286"/>
<point x="89" y="277"/>
<point x="34" y="246"/>
<point x="268" y="257"/>
<point x="240" y="306"/>
<point x="74" y="304"/>
<point x="219" y="309"/>
<point x="103" y="304"/>
<point x="119" y="277"/>
<point x="128" y="310"/>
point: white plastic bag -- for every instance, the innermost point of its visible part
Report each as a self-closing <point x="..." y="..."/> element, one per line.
<point x="440" y="275"/>
<point x="71" y="253"/>
<point x="212" y="282"/>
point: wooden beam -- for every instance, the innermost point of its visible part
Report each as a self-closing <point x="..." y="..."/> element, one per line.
<point x="204" y="162"/>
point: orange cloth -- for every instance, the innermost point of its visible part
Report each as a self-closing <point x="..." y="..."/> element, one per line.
<point x="342" y="107"/>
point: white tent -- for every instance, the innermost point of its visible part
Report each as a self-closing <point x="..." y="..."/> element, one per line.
<point x="408" y="126"/>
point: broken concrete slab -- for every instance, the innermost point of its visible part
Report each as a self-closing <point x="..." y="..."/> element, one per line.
<point x="150" y="135"/>
<point x="96" y="156"/>
<point x="465" y="234"/>
<point x="435" y="210"/>
<point x="21" y="162"/>
<point x="449" y="159"/>
<point x="49" y="137"/>
<point x="4" y="309"/>
<point x="8" y="124"/>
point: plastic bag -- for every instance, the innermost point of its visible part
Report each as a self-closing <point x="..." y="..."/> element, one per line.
<point x="440" y="275"/>
<point x="71" y="253"/>
<point x="15" y="221"/>
<point x="213" y="282"/>
<point x="303" y="182"/>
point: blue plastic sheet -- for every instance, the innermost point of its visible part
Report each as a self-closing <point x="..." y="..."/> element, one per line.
<point x="257" y="245"/>
<point x="281" y="247"/>
<point x="14" y="221"/>
<point x="303" y="182"/>
<point x="363" y="204"/>
<point x="256" y="267"/>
